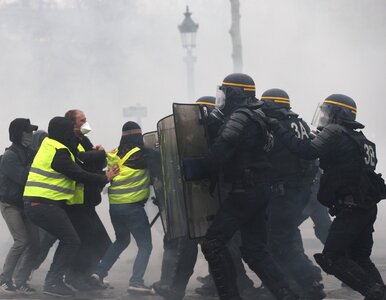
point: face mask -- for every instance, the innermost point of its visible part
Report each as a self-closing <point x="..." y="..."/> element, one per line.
<point x="85" y="128"/>
<point x="26" y="139"/>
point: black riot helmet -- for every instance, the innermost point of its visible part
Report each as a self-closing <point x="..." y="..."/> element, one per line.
<point x="276" y="103"/>
<point x="337" y="108"/>
<point x="276" y="98"/>
<point x="208" y="102"/>
<point x="236" y="90"/>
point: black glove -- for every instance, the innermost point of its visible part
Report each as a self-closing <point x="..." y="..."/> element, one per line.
<point x="195" y="168"/>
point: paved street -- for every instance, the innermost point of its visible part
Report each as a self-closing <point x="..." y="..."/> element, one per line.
<point x="121" y="271"/>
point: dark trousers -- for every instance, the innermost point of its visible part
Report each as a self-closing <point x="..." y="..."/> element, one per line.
<point x="244" y="209"/>
<point x="179" y="259"/>
<point x="94" y="240"/>
<point x="284" y="237"/>
<point x="19" y="261"/>
<point x="318" y="214"/>
<point x="46" y="242"/>
<point x="55" y="221"/>
<point x="348" y="248"/>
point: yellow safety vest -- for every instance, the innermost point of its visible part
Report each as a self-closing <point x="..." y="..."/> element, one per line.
<point x="45" y="182"/>
<point x="79" y="188"/>
<point x="131" y="185"/>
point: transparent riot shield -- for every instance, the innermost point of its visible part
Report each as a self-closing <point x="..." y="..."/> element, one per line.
<point x="192" y="141"/>
<point x="150" y="140"/>
<point x="175" y="216"/>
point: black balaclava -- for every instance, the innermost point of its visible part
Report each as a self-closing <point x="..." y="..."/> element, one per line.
<point x="62" y="130"/>
<point x="131" y="136"/>
<point x="19" y="126"/>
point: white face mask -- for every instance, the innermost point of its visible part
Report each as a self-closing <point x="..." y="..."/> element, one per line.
<point x="85" y="128"/>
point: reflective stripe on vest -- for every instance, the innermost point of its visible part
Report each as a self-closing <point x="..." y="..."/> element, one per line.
<point x="79" y="188"/>
<point x="131" y="185"/>
<point x="45" y="182"/>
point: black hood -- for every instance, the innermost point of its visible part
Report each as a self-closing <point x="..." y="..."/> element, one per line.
<point x="17" y="127"/>
<point x="62" y="130"/>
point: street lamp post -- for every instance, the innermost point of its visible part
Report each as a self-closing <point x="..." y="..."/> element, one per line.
<point x="188" y="30"/>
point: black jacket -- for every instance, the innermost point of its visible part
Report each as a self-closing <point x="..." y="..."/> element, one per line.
<point x="91" y="161"/>
<point x="14" y="167"/>
<point x="240" y="146"/>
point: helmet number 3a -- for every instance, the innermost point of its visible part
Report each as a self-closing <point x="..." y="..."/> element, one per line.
<point x="370" y="155"/>
<point x="300" y="130"/>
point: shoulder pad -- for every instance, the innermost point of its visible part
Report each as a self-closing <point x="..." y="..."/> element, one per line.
<point x="327" y="138"/>
<point x="243" y="110"/>
<point x="334" y="129"/>
<point x="236" y="124"/>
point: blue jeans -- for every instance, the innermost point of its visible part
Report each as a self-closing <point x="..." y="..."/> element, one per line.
<point x="128" y="219"/>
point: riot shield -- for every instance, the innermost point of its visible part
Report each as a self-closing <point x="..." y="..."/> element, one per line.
<point x="150" y="140"/>
<point x="192" y="141"/>
<point x="175" y="216"/>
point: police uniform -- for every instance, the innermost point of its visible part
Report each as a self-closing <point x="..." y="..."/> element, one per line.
<point x="291" y="180"/>
<point x="350" y="188"/>
<point x="240" y="152"/>
<point x="180" y="254"/>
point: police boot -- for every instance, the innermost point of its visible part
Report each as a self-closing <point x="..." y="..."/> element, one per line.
<point x="347" y="271"/>
<point x="271" y="275"/>
<point x="207" y="289"/>
<point x="314" y="292"/>
<point x="285" y="293"/>
<point x="166" y="292"/>
<point x="222" y="268"/>
<point x="377" y="292"/>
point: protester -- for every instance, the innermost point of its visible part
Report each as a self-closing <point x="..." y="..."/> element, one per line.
<point x="50" y="187"/>
<point x="14" y="167"/>
<point x="128" y="194"/>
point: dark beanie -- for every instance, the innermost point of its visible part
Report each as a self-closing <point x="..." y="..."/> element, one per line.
<point x="131" y="135"/>
<point x="17" y="127"/>
<point x="61" y="129"/>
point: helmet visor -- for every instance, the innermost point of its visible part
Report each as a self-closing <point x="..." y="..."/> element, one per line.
<point x="323" y="116"/>
<point x="220" y="97"/>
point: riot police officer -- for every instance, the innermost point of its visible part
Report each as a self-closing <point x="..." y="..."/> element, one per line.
<point x="291" y="180"/>
<point x="180" y="254"/>
<point x="349" y="187"/>
<point x="240" y="152"/>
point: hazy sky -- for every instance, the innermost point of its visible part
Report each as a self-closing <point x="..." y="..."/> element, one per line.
<point x="103" y="58"/>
